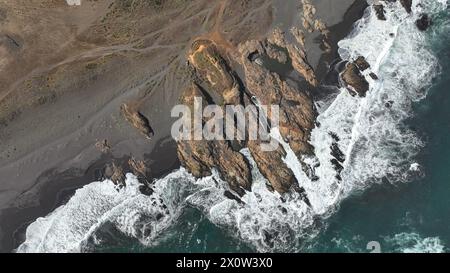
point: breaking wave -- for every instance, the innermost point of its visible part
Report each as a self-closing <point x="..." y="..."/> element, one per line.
<point x="76" y="226"/>
<point x="375" y="145"/>
<point x="414" y="243"/>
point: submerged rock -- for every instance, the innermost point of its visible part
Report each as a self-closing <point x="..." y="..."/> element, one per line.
<point x="424" y="22"/>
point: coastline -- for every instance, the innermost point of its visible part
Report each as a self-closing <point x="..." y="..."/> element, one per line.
<point x="53" y="188"/>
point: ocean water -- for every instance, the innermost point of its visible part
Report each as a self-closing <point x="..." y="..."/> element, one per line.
<point x="393" y="189"/>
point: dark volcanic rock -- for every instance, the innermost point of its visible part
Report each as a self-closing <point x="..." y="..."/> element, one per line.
<point x="353" y="78"/>
<point x="362" y="63"/>
<point x="379" y="10"/>
<point x="407" y="4"/>
<point x="424" y="22"/>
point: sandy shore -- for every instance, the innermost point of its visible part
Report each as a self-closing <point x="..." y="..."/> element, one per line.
<point x="46" y="157"/>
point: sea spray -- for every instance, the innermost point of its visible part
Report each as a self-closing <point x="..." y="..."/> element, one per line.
<point x="74" y="226"/>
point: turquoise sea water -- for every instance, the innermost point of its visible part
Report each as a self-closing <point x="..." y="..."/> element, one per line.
<point x="416" y="215"/>
<point x="400" y="217"/>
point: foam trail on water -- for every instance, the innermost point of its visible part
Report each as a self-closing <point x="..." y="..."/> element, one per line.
<point x="73" y="226"/>
<point x="369" y="133"/>
<point x="413" y="243"/>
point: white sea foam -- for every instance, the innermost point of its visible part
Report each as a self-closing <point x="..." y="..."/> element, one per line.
<point x="414" y="243"/>
<point x="370" y="133"/>
<point x="70" y="227"/>
<point x="73" y="2"/>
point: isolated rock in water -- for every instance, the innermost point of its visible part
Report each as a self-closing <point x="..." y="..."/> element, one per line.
<point x="362" y="63"/>
<point x="407" y="4"/>
<point x="138" y="120"/>
<point x="379" y="10"/>
<point x="424" y="22"/>
<point x="353" y="78"/>
<point x="373" y="76"/>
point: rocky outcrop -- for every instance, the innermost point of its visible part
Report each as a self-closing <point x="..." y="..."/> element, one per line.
<point x="138" y="167"/>
<point x="297" y="113"/>
<point x="103" y="146"/>
<point x="199" y="157"/>
<point x="380" y="12"/>
<point x="297" y="55"/>
<point x="262" y="87"/>
<point x="115" y="173"/>
<point x="277" y="54"/>
<point x="354" y="80"/>
<point x="407" y="4"/>
<point x="214" y="71"/>
<point x="362" y="63"/>
<point x="137" y="120"/>
<point x="424" y="22"/>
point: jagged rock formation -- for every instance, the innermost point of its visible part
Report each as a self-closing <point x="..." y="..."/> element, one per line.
<point x="138" y="167"/>
<point x="354" y="80"/>
<point x="276" y="54"/>
<point x="297" y="114"/>
<point x="200" y="156"/>
<point x="215" y="81"/>
<point x="362" y="63"/>
<point x="380" y="12"/>
<point x="137" y="120"/>
<point x="298" y="55"/>
<point x="312" y="24"/>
